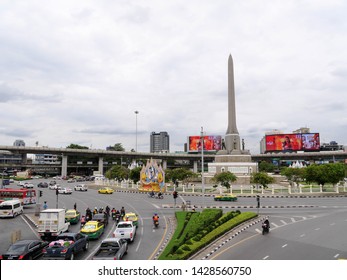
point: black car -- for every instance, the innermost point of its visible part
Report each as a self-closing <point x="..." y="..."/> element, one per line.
<point x="101" y="217"/>
<point x="25" y="250"/>
<point x="42" y="185"/>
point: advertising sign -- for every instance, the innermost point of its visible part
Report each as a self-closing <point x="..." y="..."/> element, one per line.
<point x="211" y="143"/>
<point x="310" y="141"/>
<point x="283" y="142"/>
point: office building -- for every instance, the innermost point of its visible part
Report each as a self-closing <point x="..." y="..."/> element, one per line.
<point x="159" y="142"/>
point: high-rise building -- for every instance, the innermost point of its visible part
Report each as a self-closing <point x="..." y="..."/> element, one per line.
<point x="159" y="142"/>
<point x="19" y="143"/>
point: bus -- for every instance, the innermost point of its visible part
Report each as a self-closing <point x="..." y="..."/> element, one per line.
<point x="26" y="196"/>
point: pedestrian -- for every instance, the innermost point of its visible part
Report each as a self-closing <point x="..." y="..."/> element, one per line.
<point x="183" y="206"/>
<point x="75" y="206"/>
<point x="45" y="206"/>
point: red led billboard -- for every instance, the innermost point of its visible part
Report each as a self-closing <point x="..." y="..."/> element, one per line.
<point x="283" y="142"/>
<point x="211" y="143"/>
<point x="293" y="142"/>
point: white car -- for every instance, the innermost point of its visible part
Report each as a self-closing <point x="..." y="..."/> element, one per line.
<point x="65" y="190"/>
<point x="125" y="230"/>
<point x="54" y="187"/>
<point x="81" y="187"/>
<point x="28" y="186"/>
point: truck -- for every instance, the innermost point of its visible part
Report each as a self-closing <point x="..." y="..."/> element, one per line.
<point x="111" y="249"/>
<point x="66" y="246"/>
<point x="125" y="230"/>
<point x="52" y="223"/>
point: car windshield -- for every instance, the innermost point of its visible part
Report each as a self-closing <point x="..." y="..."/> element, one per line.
<point x="70" y="214"/>
<point x="124" y="226"/>
<point x="17" y="248"/>
<point x="89" y="227"/>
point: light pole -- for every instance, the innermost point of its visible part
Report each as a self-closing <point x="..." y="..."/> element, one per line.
<point x="202" y="167"/>
<point x="136" y="113"/>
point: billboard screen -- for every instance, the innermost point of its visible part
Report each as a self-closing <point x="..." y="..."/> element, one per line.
<point x="310" y="141"/>
<point x="211" y="143"/>
<point x="283" y="142"/>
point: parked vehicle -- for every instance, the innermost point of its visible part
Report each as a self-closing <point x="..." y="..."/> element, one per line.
<point x="81" y="187"/>
<point x="25" y="250"/>
<point x="11" y="208"/>
<point x="65" y="191"/>
<point x="66" y="246"/>
<point x="52" y="223"/>
<point x="102" y="218"/>
<point x="125" y="230"/>
<point x="111" y="249"/>
<point x="93" y="229"/>
<point x="42" y="185"/>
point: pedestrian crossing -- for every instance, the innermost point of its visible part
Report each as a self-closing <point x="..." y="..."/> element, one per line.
<point x="284" y="221"/>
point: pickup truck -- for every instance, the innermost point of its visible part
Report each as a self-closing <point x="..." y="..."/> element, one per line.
<point x="66" y="246"/>
<point x="125" y="230"/>
<point x="111" y="249"/>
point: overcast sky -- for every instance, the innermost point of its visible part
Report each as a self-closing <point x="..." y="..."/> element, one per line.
<point x="76" y="71"/>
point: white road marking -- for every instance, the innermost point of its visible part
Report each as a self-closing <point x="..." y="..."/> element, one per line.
<point x="258" y="230"/>
<point x="283" y="222"/>
<point x="336" y="256"/>
<point x="332" y="224"/>
<point x="274" y="225"/>
<point x="32" y="229"/>
<point x="302" y="235"/>
<point x="317" y="229"/>
<point x="265" y="257"/>
<point x="293" y="220"/>
<point x="285" y="245"/>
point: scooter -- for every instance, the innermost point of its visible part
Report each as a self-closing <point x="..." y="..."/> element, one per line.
<point x="117" y="219"/>
<point x="266" y="228"/>
<point x="159" y="196"/>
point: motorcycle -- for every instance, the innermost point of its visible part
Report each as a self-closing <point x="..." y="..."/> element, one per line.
<point x="150" y="195"/>
<point x="117" y="218"/>
<point x="159" y="196"/>
<point x="156" y="224"/>
<point x="83" y="221"/>
<point x="266" y="228"/>
<point x="114" y="216"/>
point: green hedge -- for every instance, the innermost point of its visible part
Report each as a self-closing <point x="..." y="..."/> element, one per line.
<point x="201" y="229"/>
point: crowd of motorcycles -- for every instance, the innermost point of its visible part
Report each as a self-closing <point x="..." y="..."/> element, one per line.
<point x="116" y="215"/>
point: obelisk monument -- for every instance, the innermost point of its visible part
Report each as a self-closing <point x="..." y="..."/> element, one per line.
<point x="232" y="138"/>
<point x="232" y="158"/>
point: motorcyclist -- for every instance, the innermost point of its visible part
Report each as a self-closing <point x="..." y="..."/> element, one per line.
<point x="101" y="210"/>
<point x="151" y="194"/>
<point x="155" y="219"/>
<point x="107" y="210"/>
<point x="113" y="213"/>
<point x="122" y="211"/>
<point x="117" y="216"/>
<point x="95" y="211"/>
<point x="266" y="226"/>
<point x="160" y="195"/>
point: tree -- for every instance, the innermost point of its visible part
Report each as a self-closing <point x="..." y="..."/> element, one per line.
<point x="180" y="174"/>
<point x="76" y="146"/>
<point x="224" y="178"/>
<point x="325" y="173"/>
<point x="262" y="178"/>
<point x="118" y="173"/>
<point x="294" y="174"/>
<point x="116" y="147"/>
<point x="134" y="174"/>
<point x="265" y="166"/>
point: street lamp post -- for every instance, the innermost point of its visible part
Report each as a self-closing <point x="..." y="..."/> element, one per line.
<point x="202" y="167"/>
<point x="136" y="113"/>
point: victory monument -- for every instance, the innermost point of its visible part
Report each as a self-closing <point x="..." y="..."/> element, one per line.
<point x="232" y="158"/>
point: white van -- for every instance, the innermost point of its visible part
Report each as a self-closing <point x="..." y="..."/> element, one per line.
<point x="11" y="208"/>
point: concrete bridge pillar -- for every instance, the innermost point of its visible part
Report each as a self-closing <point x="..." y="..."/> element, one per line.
<point x="195" y="167"/>
<point x="101" y="165"/>
<point x="64" y="166"/>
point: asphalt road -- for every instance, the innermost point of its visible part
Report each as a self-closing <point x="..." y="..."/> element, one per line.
<point x="290" y="216"/>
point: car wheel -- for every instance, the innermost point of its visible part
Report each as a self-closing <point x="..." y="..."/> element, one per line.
<point x="86" y="246"/>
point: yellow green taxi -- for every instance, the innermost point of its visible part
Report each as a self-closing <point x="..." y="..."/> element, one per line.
<point x="132" y="217"/>
<point x="93" y="229"/>
<point x="72" y="216"/>
<point x="225" y="197"/>
<point x="106" y="190"/>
